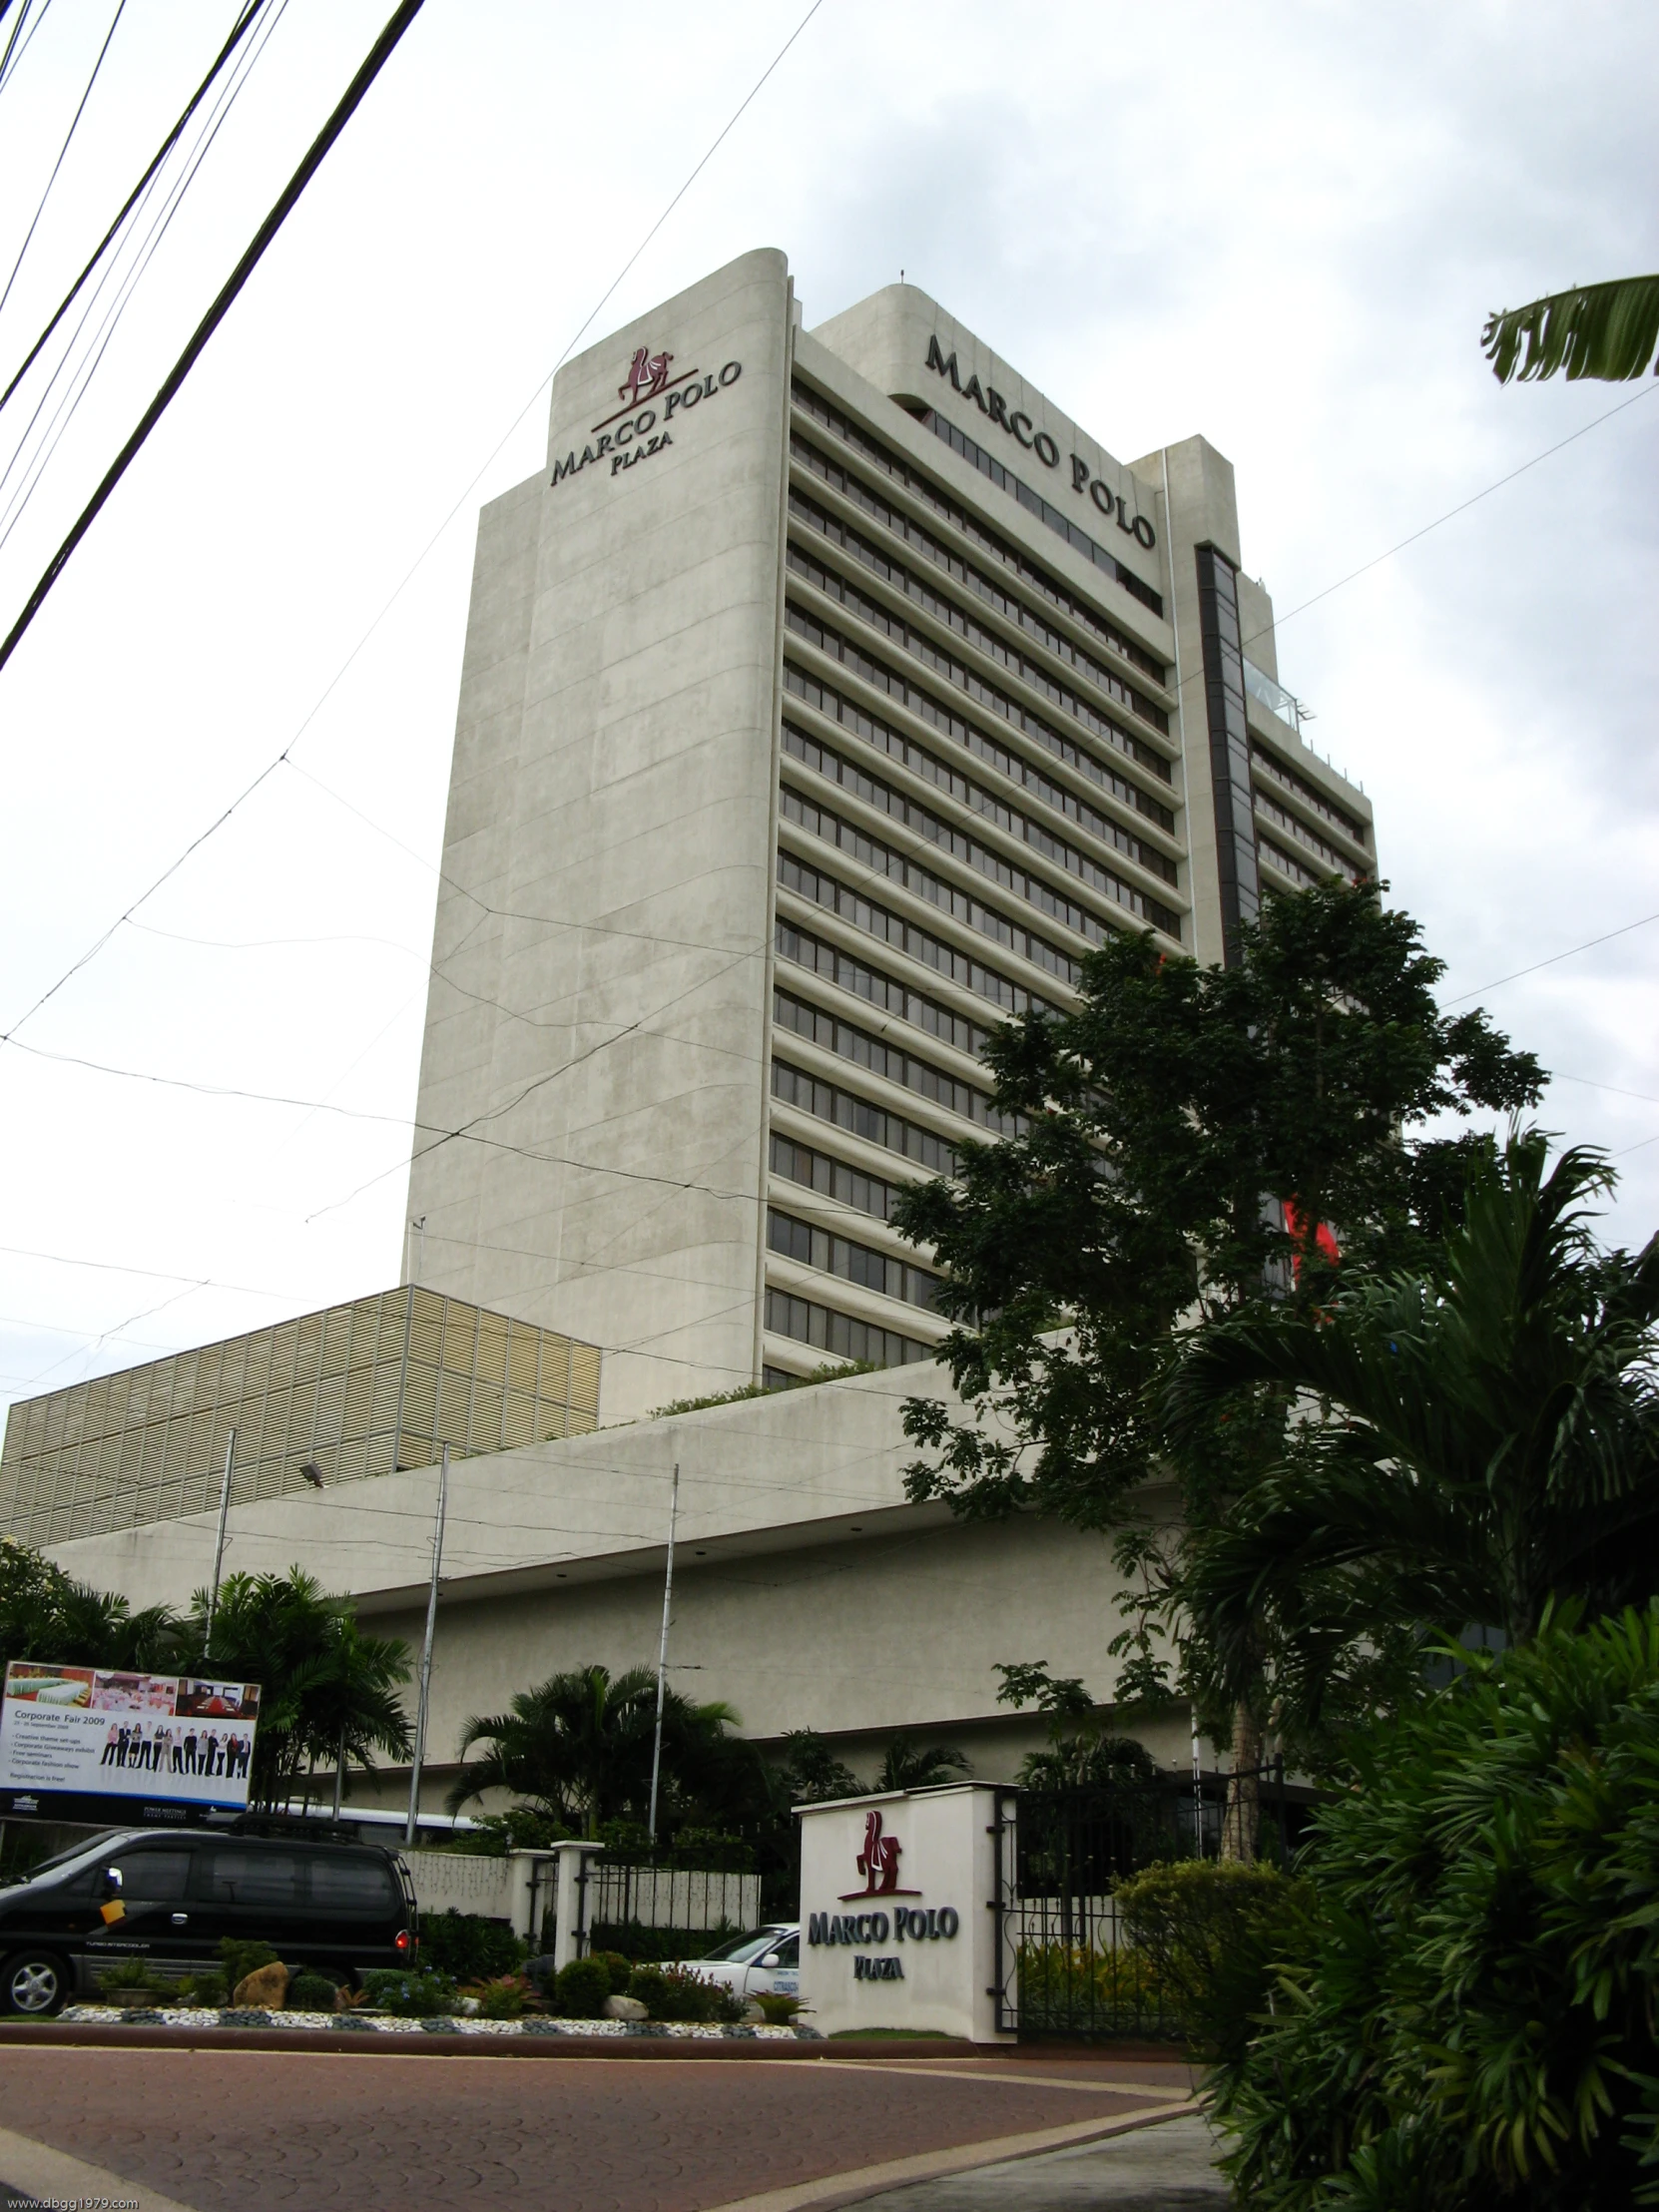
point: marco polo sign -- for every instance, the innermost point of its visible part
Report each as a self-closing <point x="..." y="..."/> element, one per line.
<point x="1084" y="482"/>
<point x="902" y="1921"/>
<point x="644" y="425"/>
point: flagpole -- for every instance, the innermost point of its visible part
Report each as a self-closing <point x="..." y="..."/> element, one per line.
<point x="219" y="1549"/>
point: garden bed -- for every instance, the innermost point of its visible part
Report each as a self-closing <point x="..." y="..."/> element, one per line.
<point x="386" y="2023"/>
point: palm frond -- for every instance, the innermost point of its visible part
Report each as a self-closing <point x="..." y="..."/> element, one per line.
<point x="1608" y="332"/>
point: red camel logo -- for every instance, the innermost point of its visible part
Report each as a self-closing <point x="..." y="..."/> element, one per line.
<point x="646" y="377"/>
<point x="879" y="1863"/>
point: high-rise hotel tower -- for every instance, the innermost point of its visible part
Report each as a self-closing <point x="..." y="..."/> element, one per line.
<point x="826" y="698"/>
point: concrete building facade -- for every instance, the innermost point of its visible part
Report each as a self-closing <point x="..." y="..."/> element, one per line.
<point x="826" y="698"/>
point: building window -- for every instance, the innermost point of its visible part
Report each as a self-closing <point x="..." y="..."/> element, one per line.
<point x="1335" y="864"/>
<point x="962" y="572"/>
<point x="891" y="1062"/>
<point x="838" y="1333"/>
<point x="827" y="1102"/>
<point x="961" y="518"/>
<point x="850" y="1186"/>
<point x="818" y="822"/>
<point x="1310" y="795"/>
<point x="981" y="802"/>
<point x="824" y="700"/>
<point x="884" y="992"/>
<point x="812" y="1247"/>
<point x="927" y="709"/>
<point x="1035" y="503"/>
<point x="961" y="677"/>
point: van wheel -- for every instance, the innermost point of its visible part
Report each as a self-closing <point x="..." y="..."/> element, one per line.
<point x="33" y="1984"/>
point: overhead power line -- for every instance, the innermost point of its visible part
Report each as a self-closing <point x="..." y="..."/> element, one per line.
<point x="351" y="100"/>
<point x="69" y="135"/>
<point x="239" y="31"/>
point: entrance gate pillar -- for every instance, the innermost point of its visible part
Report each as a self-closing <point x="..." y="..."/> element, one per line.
<point x="904" y="1912"/>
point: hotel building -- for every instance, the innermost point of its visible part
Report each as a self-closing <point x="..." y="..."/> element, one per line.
<point x="827" y="696"/>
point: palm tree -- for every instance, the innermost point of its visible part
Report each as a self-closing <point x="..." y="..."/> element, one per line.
<point x="909" y="1765"/>
<point x="579" y="1746"/>
<point x="1607" y="332"/>
<point x="1492" y="1439"/>
<point x="327" y="1691"/>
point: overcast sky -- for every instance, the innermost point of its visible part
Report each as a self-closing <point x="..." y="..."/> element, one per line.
<point x="1279" y="226"/>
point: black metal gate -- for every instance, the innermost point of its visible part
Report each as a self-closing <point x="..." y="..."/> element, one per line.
<point x="1066" y="1964"/>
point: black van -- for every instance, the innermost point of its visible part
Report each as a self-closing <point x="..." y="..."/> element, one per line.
<point x="340" y="1908"/>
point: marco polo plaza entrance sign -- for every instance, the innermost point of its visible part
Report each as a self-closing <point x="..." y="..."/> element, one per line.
<point x="902" y="1919"/>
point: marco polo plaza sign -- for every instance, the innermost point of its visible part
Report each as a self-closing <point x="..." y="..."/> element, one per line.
<point x="902" y="1912"/>
<point x="1084" y="482"/>
<point x="652" y="401"/>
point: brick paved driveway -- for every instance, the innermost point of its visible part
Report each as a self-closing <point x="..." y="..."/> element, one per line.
<point x="224" y="2131"/>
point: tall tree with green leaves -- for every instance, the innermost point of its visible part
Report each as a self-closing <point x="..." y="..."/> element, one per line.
<point x="1607" y="332"/>
<point x="326" y="1690"/>
<point x="578" y="1746"/>
<point x="1185" y="1137"/>
<point x="1490" y="1438"/>
<point x="46" y="1614"/>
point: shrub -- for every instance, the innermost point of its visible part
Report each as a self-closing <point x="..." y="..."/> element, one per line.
<point x="1208" y="1934"/>
<point x="618" y="1968"/>
<point x="1068" y="1988"/>
<point x="1468" y="2018"/>
<point x="580" y="1989"/>
<point x="501" y="1999"/>
<point x="128" y="1973"/>
<point x="671" y="1995"/>
<point x="469" y="1947"/>
<point x="410" y="1996"/>
<point x="779" y="2012"/>
<point x="203" y="1989"/>
<point x="520" y="1828"/>
<point x="241" y="1959"/>
<point x="312" y="1992"/>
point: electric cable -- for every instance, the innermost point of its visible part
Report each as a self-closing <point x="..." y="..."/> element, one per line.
<point x="349" y="102"/>
<point x="85" y="369"/>
<point x="249" y="790"/>
<point x="120" y="9"/>
<point x="239" y="31"/>
<point x="12" y="59"/>
<point x="1515" y="974"/>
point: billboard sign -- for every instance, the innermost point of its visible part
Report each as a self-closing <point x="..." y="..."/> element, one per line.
<point x="135" y="1746"/>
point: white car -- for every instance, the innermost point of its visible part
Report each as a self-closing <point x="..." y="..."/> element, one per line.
<point x="765" y="1963"/>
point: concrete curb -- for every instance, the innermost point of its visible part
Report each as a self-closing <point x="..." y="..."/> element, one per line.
<point x="138" y="2035"/>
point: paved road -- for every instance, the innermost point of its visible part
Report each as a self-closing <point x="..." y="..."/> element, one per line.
<point x="219" y="2132"/>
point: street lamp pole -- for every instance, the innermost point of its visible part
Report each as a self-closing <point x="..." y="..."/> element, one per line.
<point x="661" y="1651"/>
<point x="426" y="1653"/>
<point x="219" y="1548"/>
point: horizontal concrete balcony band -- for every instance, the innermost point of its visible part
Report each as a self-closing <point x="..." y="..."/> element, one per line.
<point x="823" y="1288"/>
<point x="1015" y="848"/>
<point x="1077" y="633"/>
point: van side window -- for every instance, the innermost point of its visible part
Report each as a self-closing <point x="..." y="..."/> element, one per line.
<point x="252" y="1875"/>
<point x="151" y="1877"/>
<point x="345" y="1884"/>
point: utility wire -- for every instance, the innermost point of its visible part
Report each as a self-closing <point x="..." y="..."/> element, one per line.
<point x="121" y="7"/>
<point x="1515" y="974"/>
<point x="239" y="31"/>
<point x="8" y="66"/>
<point x="82" y="372"/>
<point x="349" y="102"/>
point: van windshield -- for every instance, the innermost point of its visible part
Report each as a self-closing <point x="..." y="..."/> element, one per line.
<point x="742" y="1949"/>
<point x="88" y="1847"/>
